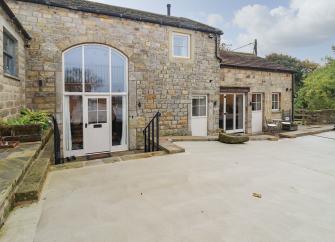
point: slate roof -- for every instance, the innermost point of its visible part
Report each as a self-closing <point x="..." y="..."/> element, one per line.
<point x="250" y="61"/>
<point x="12" y="16"/>
<point x="132" y="14"/>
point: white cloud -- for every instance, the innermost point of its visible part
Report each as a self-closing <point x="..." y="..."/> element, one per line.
<point x="303" y="23"/>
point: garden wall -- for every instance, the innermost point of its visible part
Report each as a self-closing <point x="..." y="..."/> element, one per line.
<point x="326" y="116"/>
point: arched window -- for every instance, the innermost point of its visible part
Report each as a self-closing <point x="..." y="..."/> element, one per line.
<point x="95" y="68"/>
<point x="95" y="99"/>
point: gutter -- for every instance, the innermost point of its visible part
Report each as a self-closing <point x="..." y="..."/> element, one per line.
<point x="17" y="23"/>
<point x="257" y="68"/>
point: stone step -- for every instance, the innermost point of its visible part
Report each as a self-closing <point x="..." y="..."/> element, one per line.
<point x="32" y="183"/>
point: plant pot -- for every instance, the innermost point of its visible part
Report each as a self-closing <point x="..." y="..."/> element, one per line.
<point x="233" y="139"/>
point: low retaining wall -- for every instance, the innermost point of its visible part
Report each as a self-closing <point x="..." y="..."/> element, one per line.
<point x="326" y="116"/>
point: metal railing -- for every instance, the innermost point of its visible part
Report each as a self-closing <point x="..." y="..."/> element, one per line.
<point x="151" y="134"/>
<point x="57" y="154"/>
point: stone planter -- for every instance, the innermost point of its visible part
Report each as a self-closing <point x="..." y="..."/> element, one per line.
<point x="232" y="139"/>
<point x="22" y="133"/>
<point x="290" y="127"/>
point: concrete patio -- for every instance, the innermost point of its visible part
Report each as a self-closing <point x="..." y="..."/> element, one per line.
<point x="204" y="194"/>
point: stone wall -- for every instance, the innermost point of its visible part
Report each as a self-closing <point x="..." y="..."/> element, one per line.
<point x="12" y="95"/>
<point x="264" y="82"/>
<point x="326" y="116"/>
<point x="157" y="82"/>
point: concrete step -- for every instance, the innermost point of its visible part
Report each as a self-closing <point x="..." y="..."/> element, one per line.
<point x="32" y="183"/>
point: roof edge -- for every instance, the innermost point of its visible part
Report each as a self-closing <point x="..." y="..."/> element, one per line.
<point x="12" y="16"/>
<point x="257" y="68"/>
<point x="125" y="16"/>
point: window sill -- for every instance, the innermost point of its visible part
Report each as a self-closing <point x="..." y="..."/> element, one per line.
<point x="12" y="77"/>
<point x="276" y="111"/>
<point x="182" y="57"/>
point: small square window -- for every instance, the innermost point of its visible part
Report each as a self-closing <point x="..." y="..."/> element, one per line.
<point x="9" y="54"/>
<point x="181" y="45"/>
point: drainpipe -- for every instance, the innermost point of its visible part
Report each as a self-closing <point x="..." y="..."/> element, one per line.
<point x="293" y="95"/>
<point x="217" y="49"/>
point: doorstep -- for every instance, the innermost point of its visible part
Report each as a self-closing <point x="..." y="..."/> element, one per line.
<point x="117" y="157"/>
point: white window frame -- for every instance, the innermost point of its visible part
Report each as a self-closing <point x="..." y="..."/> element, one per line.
<point x="199" y="106"/>
<point x="276" y="109"/>
<point x="14" y="56"/>
<point x="257" y="102"/>
<point x="188" y="45"/>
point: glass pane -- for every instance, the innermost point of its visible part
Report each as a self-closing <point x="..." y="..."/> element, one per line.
<point x="73" y="70"/>
<point x="92" y="117"/>
<point x="239" y="111"/>
<point x="118" y="72"/>
<point x="254" y="97"/>
<point x="96" y="68"/>
<point x="202" y="110"/>
<point x="9" y="45"/>
<point x="76" y="121"/>
<point x="102" y="104"/>
<point x="229" y="112"/>
<point x="259" y="106"/>
<point x="259" y="97"/>
<point x="102" y="116"/>
<point x="195" y="111"/>
<point x="92" y="104"/>
<point x="180" y="45"/>
<point x="254" y="106"/>
<point x="195" y="102"/>
<point x="221" y="112"/>
<point x="202" y="101"/>
<point x="118" y="130"/>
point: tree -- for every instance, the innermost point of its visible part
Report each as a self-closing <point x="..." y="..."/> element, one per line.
<point x="318" y="91"/>
<point x="329" y="59"/>
<point x="302" y="68"/>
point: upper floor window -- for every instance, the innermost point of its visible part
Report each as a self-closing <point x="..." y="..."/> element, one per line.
<point x="95" y="68"/>
<point x="9" y="54"/>
<point x="276" y="101"/>
<point x="181" y="45"/>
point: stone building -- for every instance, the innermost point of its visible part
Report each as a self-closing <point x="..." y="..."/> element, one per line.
<point x="253" y="91"/>
<point x="12" y="63"/>
<point x="104" y="71"/>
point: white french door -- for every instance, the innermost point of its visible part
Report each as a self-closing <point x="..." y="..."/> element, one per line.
<point x="233" y="112"/>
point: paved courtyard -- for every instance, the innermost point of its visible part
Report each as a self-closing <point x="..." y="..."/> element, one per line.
<point x="204" y="194"/>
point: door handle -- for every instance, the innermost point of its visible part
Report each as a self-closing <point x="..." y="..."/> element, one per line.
<point x="85" y="125"/>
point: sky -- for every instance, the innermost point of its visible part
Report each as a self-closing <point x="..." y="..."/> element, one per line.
<point x="301" y="28"/>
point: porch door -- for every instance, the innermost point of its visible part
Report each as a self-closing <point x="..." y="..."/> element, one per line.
<point x="257" y="113"/>
<point x="97" y="124"/>
<point x="233" y="112"/>
<point x="199" y="116"/>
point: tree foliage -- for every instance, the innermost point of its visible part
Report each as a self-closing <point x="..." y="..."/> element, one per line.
<point x="302" y="68"/>
<point x="318" y="91"/>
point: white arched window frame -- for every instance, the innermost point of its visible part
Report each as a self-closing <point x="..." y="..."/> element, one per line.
<point x="110" y="92"/>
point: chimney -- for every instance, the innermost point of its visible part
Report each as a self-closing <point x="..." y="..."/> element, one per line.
<point x="168" y="9"/>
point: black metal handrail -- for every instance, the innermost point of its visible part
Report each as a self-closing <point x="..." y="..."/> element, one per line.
<point x="58" y="159"/>
<point x="151" y="134"/>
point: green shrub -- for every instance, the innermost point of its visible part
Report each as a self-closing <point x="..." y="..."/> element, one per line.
<point x="28" y="117"/>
